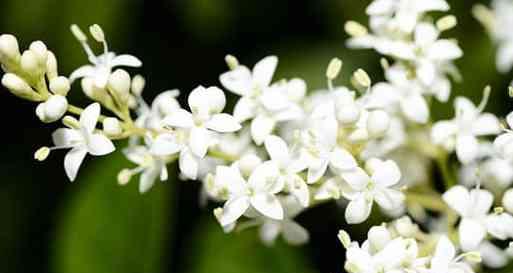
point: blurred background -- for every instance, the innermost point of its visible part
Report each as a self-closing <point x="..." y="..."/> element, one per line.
<point x="94" y="226"/>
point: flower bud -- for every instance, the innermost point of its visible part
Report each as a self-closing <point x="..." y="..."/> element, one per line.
<point x="40" y="51"/>
<point x="42" y="153"/>
<point x="30" y="64"/>
<point x="138" y="83"/>
<point x="60" y="86"/>
<point x="348" y="114"/>
<point x="124" y="176"/>
<point x="379" y="236"/>
<point x="119" y="85"/>
<point x="95" y="93"/>
<point x="9" y="49"/>
<point x="378" y="123"/>
<point x="231" y="61"/>
<point x="507" y="201"/>
<point x="97" y="33"/>
<point x="112" y="127"/>
<point x="405" y="227"/>
<point x="51" y="66"/>
<point x="53" y="109"/>
<point x="334" y="68"/>
<point x="19" y="87"/>
<point x="247" y="163"/>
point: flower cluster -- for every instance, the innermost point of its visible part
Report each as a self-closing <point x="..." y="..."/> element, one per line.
<point x="285" y="148"/>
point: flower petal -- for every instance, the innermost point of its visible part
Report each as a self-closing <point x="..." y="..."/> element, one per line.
<point x="458" y="198"/>
<point x="294" y="234"/>
<point x="233" y="209"/>
<point x="89" y="117"/>
<point x="268" y="205"/>
<point x="72" y="162"/>
<point x="223" y="123"/>
<point x="83" y="71"/>
<point x="471" y="234"/>
<point x="467" y="148"/>
<point x="269" y="231"/>
<point x="264" y="70"/>
<point x="147" y="178"/>
<point x="125" y="60"/>
<point x="261" y="127"/>
<point x="199" y="141"/>
<point x="237" y="80"/>
<point x="358" y="210"/>
<point x="415" y="108"/>
<point x="99" y="144"/>
<point x="486" y="124"/>
<point x="342" y="160"/>
<point x="356" y="178"/>
<point x="277" y="150"/>
<point x="179" y="118"/>
<point x="189" y="164"/>
<point x="65" y="137"/>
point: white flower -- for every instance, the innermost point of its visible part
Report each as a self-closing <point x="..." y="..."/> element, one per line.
<point x="363" y="189"/>
<point x="259" y="192"/>
<point x="504" y="142"/>
<point x="289" y="167"/>
<point x="102" y="65"/>
<point x="266" y="104"/>
<point x="473" y="207"/>
<point x="163" y="105"/>
<point x="499" y="25"/>
<point x="292" y="232"/>
<point x="82" y="140"/>
<point x="444" y="259"/>
<point x="206" y="105"/>
<point x="461" y="132"/>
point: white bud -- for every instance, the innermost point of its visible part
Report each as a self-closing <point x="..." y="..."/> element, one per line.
<point x="40" y="51"/>
<point x="97" y="33"/>
<point x="9" y="49"/>
<point x="60" y="86"/>
<point x="30" y="64"/>
<point x="378" y="123"/>
<point x="333" y="68"/>
<point x="42" y="153"/>
<point x="344" y="238"/>
<point x="355" y="29"/>
<point x="119" y="84"/>
<point x="379" y="236"/>
<point x="112" y="127"/>
<point x="361" y="78"/>
<point x="247" y="163"/>
<point x="507" y="201"/>
<point x="95" y="93"/>
<point x="124" y="176"/>
<point x="78" y="33"/>
<point x="19" y="87"/>
<point x="447" y="22"/>
<point x="138" y="83"/>
<point x="51" y="66"/>
<point x="53" y="109"/>
<point x="405" y="227"/>
<point x="231" y="61"/>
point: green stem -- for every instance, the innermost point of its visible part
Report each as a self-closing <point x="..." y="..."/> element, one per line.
<point x="443" y="165"/>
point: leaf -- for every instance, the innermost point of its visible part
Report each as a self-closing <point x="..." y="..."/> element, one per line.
<point x="214" y="251"/>
<point x="106" y="228"/>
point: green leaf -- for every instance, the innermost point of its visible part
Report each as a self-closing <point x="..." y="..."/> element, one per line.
<point x="106" y="228"/>
<point x="214" y="251"/>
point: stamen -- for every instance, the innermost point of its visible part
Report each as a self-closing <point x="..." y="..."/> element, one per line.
<point x="484" y="100"/>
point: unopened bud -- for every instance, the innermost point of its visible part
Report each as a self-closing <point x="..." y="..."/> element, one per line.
<point x="138" y="83"/>
<point x="78" y="33"/>
<point x="30" y="64"/>
<point x="112" y="127"/>
<point x="71" y="122"/>
<point x="344" y="238"/>
<point x="97" y="33"/>
<point x="40" y="51"/>
<point x="19" y="87"/>
<point x="405" y="227"/>
<point x="124" y="176"/>
<point x="355" y="29"/>
<point x="51" y="66"/>
<point x="42" y="153"/>
<point x="60" y="86"/>
<point x="9" y="49"/>
<point x="379" y="236"/>
<point x="507" y="201"/>
<point x="333" y="68"/>
<point x="447" y="22"/>
<point x="119" y="85"/>
<point x="378" y="122"/>
<point x="231" y="61"/>
<point x="53" y="109"/>
<point x="361" y="78"/>
<point x="95" y="93"/>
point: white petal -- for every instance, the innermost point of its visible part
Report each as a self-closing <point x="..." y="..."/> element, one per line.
<point x="486" y="124"/>
<point x="231" y="178"/>
<point x="380" y="7"/>
<point x="299" y="189"/>
<point x="269" y="231"/>
<point x="65" y="137"/>
<point x="99" y="144"/>
<point x="425" y="34"/>
<point x="386" y="173"/>
<point x="188" y="164"/>
<point x="125" y="60"/>
<point x="481" y="202"/>
<point x="415" y="108"/>
<point x="358" y="210"/>
<point x="504" y="57"/>
<point x="237" y="80"/>
<point x="147" y="178"/>
<point x="199" y="141"/>
<point x="357" y="179"/>
<point x="493" y="256"/>
<point x="274" y="99"/>
<point x="233" y="210"/>
<point x="179" y="118"/>
<point x="164" y="145"/>
<point x="431" y="5"/>
<point x="389" y="199"/>
<point x="277" y="150"/>
<point x="444" y="50"/>
<point x="442" y="131"/>
<point x="265" y="178"/>
<point x="90" y="116"/>
<point x="264" y="70"/>
<point x="268" y="205"/>
<point x="467" y="148"/>
<point x="72" y="162"/>
<point x="458" y="198"/>
<point x="83" y="71"/>
<point x="509" y="120"/>
<point x="317" y="170"/>
<point x="342" y="160"/>
<point x="261" y="127"/>
<point x="223" y="123"/>
<point x="471" y="234"/>
<point x="294" y="234"/>
<point x="244" y="109"/>
<point x="426" y="72"/>
<point x="444" y="254"/>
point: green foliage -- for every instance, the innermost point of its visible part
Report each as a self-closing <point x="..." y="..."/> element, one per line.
<point x="106" y="228"/>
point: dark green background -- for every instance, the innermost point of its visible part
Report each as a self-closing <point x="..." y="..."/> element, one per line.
<point x="94" y="226"/>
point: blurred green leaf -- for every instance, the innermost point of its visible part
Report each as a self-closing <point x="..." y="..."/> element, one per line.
<point x="214" y="251"/>
<point x="106" y="228"/>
